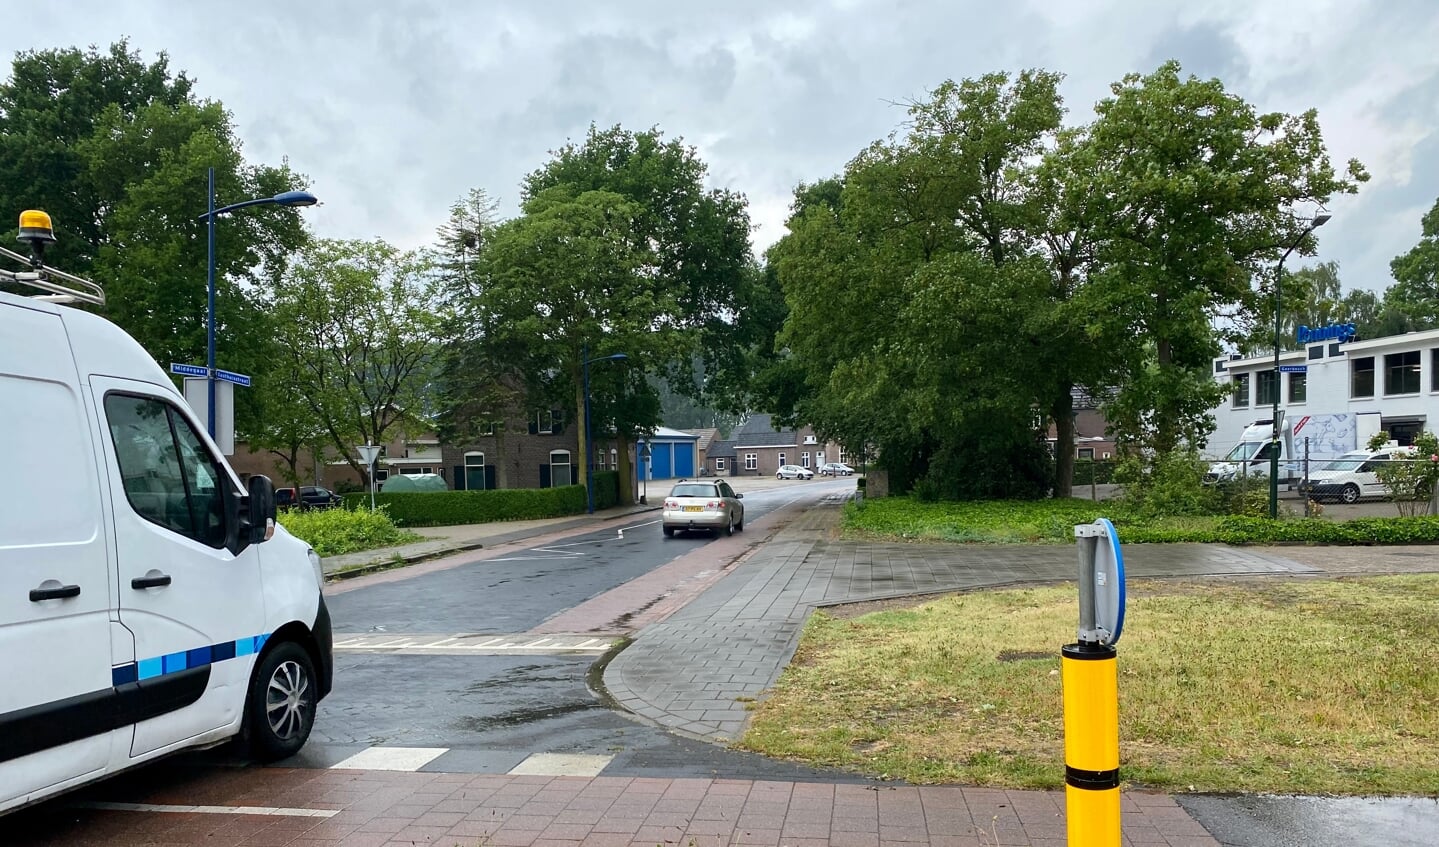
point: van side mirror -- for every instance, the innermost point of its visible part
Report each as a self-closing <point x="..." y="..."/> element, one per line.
<point x="261" y="518"/>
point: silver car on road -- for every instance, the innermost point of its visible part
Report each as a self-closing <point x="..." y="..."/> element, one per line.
<point x="702" y="504"/>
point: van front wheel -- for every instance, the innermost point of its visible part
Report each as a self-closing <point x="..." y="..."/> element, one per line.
<point x="280" y="711"/>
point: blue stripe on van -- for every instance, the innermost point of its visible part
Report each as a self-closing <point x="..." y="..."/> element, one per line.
<point x="199" y="657"/>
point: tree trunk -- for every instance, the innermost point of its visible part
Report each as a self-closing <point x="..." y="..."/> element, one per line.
<point x="1166" y="425"/>
<point x="627" y="491"/>
<point x="583" y="437"/>
<point x="1063" y="414"/>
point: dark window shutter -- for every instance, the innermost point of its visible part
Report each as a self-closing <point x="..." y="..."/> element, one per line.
<point x="557" y="421"/>
<point x="534" y="424"/>
<point x="459" y="477"/>
<point x="544" y="476"/>
<point x="489" y="477"/>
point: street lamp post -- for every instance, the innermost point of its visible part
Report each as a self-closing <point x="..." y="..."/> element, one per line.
<point x="285" y="198"/>
<point x="589" y="442"/>
<point x="1319" y="220"/>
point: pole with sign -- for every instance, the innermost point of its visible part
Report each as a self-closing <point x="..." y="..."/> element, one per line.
<point x="1090" y="677"/>
<point x="368" y="454"/>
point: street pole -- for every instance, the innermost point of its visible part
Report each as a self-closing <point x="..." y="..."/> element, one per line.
<point x="210" y="311"/>
<point x="589" y="444"/>
<point x="1319" y="220"/>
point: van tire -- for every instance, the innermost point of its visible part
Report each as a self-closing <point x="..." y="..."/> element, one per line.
<point x="280" y="711"/>
<point x="1350" y="494"/>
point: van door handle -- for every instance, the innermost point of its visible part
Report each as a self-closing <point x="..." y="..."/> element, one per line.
<point x="58" y="592"/>
<point x="153" y="579"/>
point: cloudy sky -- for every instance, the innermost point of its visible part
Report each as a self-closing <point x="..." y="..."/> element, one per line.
<point x="395" y="109"/>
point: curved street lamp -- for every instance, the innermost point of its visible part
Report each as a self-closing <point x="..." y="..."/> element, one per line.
<point x="589" y="442"/>
<point x="1320" y="219"/>
<point x="284" y="198"/>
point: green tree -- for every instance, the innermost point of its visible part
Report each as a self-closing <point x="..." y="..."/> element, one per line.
<point x="1194" y="193"/>
<point x="117" y="151"/>
<point x="1415" y="292"/>
<point x="358" y="326"/>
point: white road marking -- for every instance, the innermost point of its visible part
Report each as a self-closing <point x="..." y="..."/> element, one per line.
<point x="472" y="644"/>
<point x="561" y="764"/>
<point x="212" y="810"/>
<point x="391" y="758"/>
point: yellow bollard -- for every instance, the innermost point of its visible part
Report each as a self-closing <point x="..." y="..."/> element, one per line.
<point x="1091" y="744"/>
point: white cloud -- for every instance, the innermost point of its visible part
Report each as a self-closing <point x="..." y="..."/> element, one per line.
<point x="396" y="109"/>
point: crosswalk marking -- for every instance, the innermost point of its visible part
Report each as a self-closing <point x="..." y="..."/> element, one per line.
<point x="459" y="644"/>
<point x="391" y="758"/>
<point x="561" y="764"/>
<point x="210" y="810"/>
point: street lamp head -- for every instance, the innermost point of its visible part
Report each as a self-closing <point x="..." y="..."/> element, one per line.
<point x="1320" y="219"/>
<point x="295" y="198"/>
<point x="617" y="356"/>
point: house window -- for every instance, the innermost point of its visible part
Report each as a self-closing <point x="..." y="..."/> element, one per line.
<point x="1361" y="381"/>
<point x="1241" y="391"/>
<point x="614" y="459"/>
<point x="819" y="459"/>
<point x="1298" y="387"/>
<point x="804" y="459"/>
<point x="1266" y="388"/>
<point x="719" y="463"/>
<point x="841" y="457"/>
<point x="1401" y="373"/>
<point x="488" y="427"/>
<point x="751" y="462"/>
<point x="1086" y="452"/>
<point x="412" y="471"/>
<point x="810" y="439"/>
<point x="548" y="422"/>
<point x="381" y="474"/>
<point x="474" y="471"/>
<point x="560" y="468"/>
<point x="781" y="459"/>
<point x="1434" y="369"/>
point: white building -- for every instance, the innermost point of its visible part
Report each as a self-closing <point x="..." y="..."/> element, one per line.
<point x="1395" y="377"/>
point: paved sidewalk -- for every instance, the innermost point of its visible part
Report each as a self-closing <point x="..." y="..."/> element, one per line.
<point x="275" y="807"/>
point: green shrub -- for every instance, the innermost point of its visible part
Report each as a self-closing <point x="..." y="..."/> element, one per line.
<point x="1087" y="471"/>
<point x="335" y="531"/>
<point x="607" y="489"/>
<point x="1173" y="484"/>
<point x="447" y="508"/>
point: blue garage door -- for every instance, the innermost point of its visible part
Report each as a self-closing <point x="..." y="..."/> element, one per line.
<point x="661" y="461"/>
<point x="685" y="460"/>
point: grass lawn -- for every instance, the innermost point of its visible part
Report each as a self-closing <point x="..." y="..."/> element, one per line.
<point x="1258" y="685"/>
<point x="1052" y="522"/>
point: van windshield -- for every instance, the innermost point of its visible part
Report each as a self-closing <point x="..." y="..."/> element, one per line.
<point x="1244" y="451"/>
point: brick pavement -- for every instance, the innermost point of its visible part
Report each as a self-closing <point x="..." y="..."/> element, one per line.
<point x="385" y="809"/>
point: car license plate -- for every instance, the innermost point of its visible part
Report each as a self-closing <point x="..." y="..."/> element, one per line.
<point x="694" y="508"/>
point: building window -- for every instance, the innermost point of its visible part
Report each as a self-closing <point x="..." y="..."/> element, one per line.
<point x="1434" y="369"/>
<point x="1241" y="391"/>
<point x="1401" y="373"/>
<point x="548" y="422"/>
<point x="1298" y="387"/>
<point x="1361" y="382"/>
<point x="841" y="457"/>
<point x="381" y="474"/>
<point x="1086" y="453"/>
<point x="474" y="471"/>
<point x="614" y="459"/>
<point x="412" y="471"/>
<point x="804" y="459"/>
<point x="1316" y="352"/>
<point x="719" y="463"/>
<point x="559" y="468"/>
<point x="1334" y="349"/>
<point x="751" y="462"/>
<point x="781" y="459"/>
<point x="1266" y="388"/>
<point x="489" y="427"/>
<point x="819" y="459"/>
<point x="810" y="439"/>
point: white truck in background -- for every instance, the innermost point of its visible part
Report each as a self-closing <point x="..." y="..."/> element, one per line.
<point x="1328" y="437"/>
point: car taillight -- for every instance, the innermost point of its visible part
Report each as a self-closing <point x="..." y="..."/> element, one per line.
<point x="671" y="504"/>
<point x="715" y="504"/>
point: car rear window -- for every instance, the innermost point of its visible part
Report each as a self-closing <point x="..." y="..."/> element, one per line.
<point x="693" y="491"/>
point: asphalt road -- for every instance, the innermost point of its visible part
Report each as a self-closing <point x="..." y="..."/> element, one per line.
<point x="489" y="712"/>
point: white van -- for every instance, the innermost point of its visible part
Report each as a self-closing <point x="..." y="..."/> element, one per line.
<point x="148" y="602"/>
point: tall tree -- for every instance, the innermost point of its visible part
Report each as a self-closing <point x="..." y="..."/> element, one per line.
<point x="359" y="325"/>
<point x="1195" y="197"/>
<point x="1416" y="275"/>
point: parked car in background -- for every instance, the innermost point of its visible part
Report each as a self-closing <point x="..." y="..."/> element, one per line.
<point x="793" y="472"/>
<point x="702" y="504"/>
<point x="1354" y="476"/>
<point x="835" y="469"/>
<point x="306" y="497"/>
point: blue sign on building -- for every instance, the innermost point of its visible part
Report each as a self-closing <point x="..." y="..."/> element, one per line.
<point x="1333" y="332"/>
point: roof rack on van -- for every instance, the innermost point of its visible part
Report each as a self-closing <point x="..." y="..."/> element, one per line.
<point x="60" y="287"/>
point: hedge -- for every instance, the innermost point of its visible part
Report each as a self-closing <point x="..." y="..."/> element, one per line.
<point x="448" y="508"/>
<point x="1404" y="530"/>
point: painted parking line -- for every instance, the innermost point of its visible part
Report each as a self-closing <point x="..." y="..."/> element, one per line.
<point x="272" y="811"/>
<point x="471" y="644"/>
<point x="391" y="759"/>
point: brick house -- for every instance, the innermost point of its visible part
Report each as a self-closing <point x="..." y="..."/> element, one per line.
<point x="757" y="448"/>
